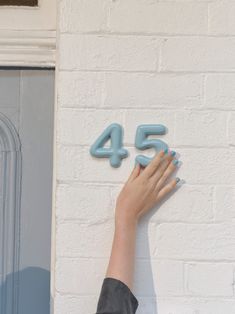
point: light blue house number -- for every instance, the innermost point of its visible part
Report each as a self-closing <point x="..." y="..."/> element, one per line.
<point x="116" y="152"/>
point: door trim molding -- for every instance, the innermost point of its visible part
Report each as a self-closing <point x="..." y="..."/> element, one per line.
<point x="27" y="48"/>
<point x="10" y="149"/>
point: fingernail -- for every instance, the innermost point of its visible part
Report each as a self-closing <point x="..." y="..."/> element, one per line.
<point x="177" y="180"/>
<point x="175" y="162"/>
<point x="166" y="151"/>
<point x="173" y="153"/>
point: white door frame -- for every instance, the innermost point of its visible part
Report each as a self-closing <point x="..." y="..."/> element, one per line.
<point x="28" y="39"/>
<point x="28" y="35"/>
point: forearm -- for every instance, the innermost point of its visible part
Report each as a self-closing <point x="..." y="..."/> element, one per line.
<point x="122" y="258"/>
<point x="141" y="192"/>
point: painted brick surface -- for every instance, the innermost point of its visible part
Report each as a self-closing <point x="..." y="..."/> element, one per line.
<point x="159" y="17"/>
<point x="136" y="62"/>
<point x="198" y="54"/>
<point x="219" y="91"/>
<point x="210" y="279"/>
<point x="110" y="53"/>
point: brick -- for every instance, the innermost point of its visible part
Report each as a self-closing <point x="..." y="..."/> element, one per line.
<point x="104" y="52"/>
<point x="197" y="205"/>
<point x="198" y="166"/>
<point x="134" y="118"/>
<point x="224" y="203"/>
<point x="195" y="241"/>
<point x="197" y="54"/>
<point x="195" y="305"/>
<point x="167" y="276"/>
<point x="206" y="1"/>
<point x="96" y="243"/>
<point x="129" y="90"/>
<point x="146" y="90"/>
<point x="81" y="89"/>
<point x="231" y="129"/>
<point x="83" y="16"/>
<point x="208" y="279"/>
<point x="168" y="62"/>
<point x="219" y="91"/>
<point x="86" y="203"/>
<point x="187" y="204"/>
<point x="147" y="305"/>
<point x="203" y="166"/>
<point x="99" y="169"/>
<point x="145" y="242"/>
<point x="79" y="276"/>
<point x="70" y="304"/>
<point x="80" y="127"/>
<point x="221" y="18"/>
<point x="69" y="162"/>
<point x="154" y="17"/>
<point x="197" y="128"/>
<point x="76" y="163"/>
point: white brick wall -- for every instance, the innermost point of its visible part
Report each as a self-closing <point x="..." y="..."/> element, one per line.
<point x="147" y="61"/>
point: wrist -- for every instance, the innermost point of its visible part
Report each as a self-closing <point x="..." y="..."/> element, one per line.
<point x="125" y="221"/>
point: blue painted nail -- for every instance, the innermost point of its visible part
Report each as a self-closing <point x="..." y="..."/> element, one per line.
<point x="177" y="180"/>
<point x="175" y="162"/>
<point x="173" y="153"/>
<point x="166" y="151"/>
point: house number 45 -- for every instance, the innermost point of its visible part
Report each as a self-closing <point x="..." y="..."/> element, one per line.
<point x="116" y="152"/>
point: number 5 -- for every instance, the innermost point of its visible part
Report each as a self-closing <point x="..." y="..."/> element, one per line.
<point x="142" y="142"/>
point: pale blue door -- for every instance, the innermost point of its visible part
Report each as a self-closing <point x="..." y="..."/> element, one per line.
<point x="26" y="147"/>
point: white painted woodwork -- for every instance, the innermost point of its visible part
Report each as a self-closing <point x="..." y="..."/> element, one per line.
<point x="28" y="35"/>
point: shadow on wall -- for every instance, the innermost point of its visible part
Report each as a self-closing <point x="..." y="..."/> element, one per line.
<point x="34" y="290"/>
<point x="150" y="305"/>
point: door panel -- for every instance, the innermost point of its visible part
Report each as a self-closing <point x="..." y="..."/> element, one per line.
<point x="26" y="102"/>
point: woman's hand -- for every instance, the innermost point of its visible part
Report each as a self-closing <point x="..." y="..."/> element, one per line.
<point x="142" y="191"/>
<point x="145" y="188"/>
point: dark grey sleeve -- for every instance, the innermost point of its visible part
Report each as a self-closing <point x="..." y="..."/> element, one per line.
<point x="116" y="298"/>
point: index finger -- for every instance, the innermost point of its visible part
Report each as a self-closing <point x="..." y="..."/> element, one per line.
<point x="153" y="165"/>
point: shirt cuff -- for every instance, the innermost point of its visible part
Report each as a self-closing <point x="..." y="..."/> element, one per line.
<point x="116" y="297"/>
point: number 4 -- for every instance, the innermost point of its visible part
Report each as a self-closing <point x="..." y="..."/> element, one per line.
<point x="116" y="151"/>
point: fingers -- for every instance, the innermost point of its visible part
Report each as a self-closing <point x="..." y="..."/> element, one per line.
<point x="162" y="167"/>
<point x="135" y="172"/>
<point x="167" y="189"/>
<point x="153" y="165"/>
<point x="166" y="174"/>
